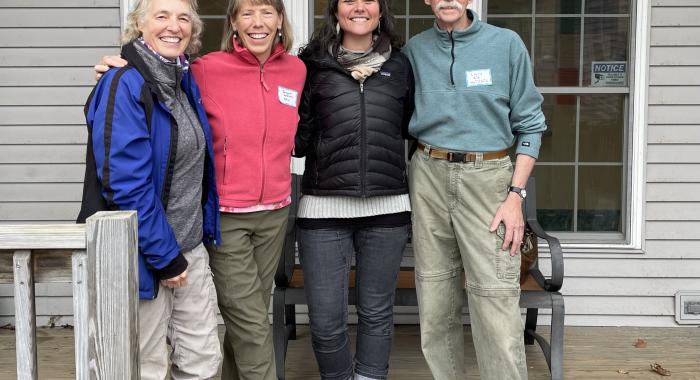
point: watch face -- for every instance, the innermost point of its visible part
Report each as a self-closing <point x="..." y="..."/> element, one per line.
<point x="523" y="193"/>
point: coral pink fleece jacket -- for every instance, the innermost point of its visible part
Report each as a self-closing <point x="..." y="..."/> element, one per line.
<point x="253" y="113"/>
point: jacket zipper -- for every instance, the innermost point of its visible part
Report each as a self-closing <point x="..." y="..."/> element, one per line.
<point x="263" y="88"/>
<point x="225" y="157"/>
<point x="363" y="139"/>
<point x="452" y="64"/>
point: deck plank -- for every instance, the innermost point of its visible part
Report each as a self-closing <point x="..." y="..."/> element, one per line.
<point x="590" y="353"/>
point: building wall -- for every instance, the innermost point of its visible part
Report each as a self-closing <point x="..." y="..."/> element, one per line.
<point x="47" y="50"/>
<point x="46" y="55"/>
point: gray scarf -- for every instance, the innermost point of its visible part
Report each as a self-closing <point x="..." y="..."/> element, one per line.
<point x="365" y="63"/>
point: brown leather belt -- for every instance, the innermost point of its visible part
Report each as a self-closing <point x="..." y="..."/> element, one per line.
<point x="460" y="156"/>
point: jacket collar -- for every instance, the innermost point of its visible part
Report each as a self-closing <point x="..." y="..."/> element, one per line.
<point x="246" y="55"/>
<point x="463" y="35"/>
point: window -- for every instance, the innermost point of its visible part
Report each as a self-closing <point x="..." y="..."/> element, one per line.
<point x="580" y="51"/>
<point x="213" y="14"/>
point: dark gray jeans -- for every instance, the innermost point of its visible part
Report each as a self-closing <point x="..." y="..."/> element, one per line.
<point x="326" y="256"/>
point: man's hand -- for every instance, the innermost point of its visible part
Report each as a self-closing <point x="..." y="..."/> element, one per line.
<point x="179" y="281"/>
<point x="511" y="215"/>
<point x="106" y="62"/>
<point x="510" y="212"/>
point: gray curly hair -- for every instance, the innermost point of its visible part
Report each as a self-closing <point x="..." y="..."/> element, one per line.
<point x="138" y="14"/>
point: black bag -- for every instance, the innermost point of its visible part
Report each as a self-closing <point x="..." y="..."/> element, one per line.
<point x="92" y="200"/>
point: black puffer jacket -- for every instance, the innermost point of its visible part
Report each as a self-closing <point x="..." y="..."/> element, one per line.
<point x="352" y="135"/>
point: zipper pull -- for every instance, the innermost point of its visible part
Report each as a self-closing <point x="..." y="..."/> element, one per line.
<point x="362" y="87"/>
<point x="262" y="78"/>
<point x="225" y="146"/>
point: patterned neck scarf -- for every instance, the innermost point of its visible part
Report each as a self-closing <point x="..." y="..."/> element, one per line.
<point x="365" y="63"/>
<point x="181" y="61"/>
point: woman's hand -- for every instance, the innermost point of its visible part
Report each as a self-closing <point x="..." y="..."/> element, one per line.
<point x="179" y="281"/>
<point x="106" y="62"/>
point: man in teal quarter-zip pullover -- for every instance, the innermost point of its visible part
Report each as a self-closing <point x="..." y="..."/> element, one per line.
<point x="474" y="98"/>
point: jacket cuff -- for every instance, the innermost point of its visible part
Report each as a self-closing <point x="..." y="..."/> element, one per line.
<point x="175" y="268"/>
<point x="529" y="144"/>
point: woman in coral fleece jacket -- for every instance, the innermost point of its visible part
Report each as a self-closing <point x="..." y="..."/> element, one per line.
<point x="251" y="91"/>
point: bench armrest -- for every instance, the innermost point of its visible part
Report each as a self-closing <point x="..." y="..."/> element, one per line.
<point x="554" y="283"/>
<point x="285" y="267"/>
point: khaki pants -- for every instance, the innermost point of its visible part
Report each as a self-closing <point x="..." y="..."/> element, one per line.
<point x="453" y="205"/>
<point x="243" y="267"/>
<point x="185" y="318"/>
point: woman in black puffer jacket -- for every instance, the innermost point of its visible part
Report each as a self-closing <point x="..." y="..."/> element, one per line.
<point x="354" y="111"/>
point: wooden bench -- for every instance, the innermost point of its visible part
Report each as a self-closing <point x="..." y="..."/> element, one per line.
<point x="537" y="292"/>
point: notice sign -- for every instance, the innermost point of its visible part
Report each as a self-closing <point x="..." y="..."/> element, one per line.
<point x="609" y="74"/>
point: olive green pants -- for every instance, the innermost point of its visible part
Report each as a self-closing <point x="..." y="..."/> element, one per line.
<point x="243" y="267"/>
<point x="453" y="205"/>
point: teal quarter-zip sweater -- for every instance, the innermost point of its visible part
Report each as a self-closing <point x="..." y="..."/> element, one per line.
<point x="474" y="90"/>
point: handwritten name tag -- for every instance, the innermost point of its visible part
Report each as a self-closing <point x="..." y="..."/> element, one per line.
<point x="479" y="78"/>
<point x="287" y="96"/>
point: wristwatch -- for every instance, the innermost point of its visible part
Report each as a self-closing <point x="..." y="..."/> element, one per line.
<point x="519" y="191"/>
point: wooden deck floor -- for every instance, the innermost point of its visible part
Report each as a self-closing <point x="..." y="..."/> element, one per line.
<point x="590" y="354"/>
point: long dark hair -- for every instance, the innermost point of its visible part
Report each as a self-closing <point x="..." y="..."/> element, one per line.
<point x="325" y="38"/>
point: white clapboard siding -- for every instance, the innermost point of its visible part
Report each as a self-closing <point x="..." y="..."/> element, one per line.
<point x="47" y="192"/>
<point x="59" y="18"/>
<point x="44" y="96"/>
<point x="674" y="56"/>
<point x="41" y="173"/>
<point x="59" y="37"/>
<point x="42" y="134"/>
<point x="673" y="134"/>
<point x="38" y="115"/>
<point x="59" y="4"/>
<point x="52" y="57"/>
<point x="684" y="75"/>
<point x="40" y="154"/>
<point x="29" y="77"/>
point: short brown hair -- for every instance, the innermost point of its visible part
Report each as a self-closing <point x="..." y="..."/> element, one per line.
<point x="232" y="11"/>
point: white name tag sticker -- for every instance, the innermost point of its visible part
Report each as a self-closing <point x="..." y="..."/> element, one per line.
<point x="287" y="96"/>
<point x="479" y="78"/>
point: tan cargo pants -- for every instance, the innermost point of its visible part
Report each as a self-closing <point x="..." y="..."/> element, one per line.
<point x="453" y="205"/>
<point x="184" y="318"/>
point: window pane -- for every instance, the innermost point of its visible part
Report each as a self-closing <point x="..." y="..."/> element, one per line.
<point x="317" y="23"/>
<point x="418" y="7"/>
<point x="599" y="198"/>
<point x="559" y="141"/>
<point x="555" y="197"/>
<point x="605" y="40"/>
<point x="510" y="6"/>
<point x="320" y="7"/>
<point x="602" y="126"/>
<point x="557" y="42"/>
<point x="417" y="25"/>
<point x="400" y="28"/>
<point x="522" y="26"/>
<point x="212" y="7"/>
<point x="398" y="7"/>
<point x="211" y="39"/>
<point x="559" y="6"/>
<point x="607" y="6"/>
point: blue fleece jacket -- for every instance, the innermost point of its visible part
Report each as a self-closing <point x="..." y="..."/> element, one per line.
<point x="474" y="90"/>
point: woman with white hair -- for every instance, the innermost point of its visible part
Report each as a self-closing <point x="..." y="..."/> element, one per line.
<point x="251" y="91"/>
<point x="150" y="150"/>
